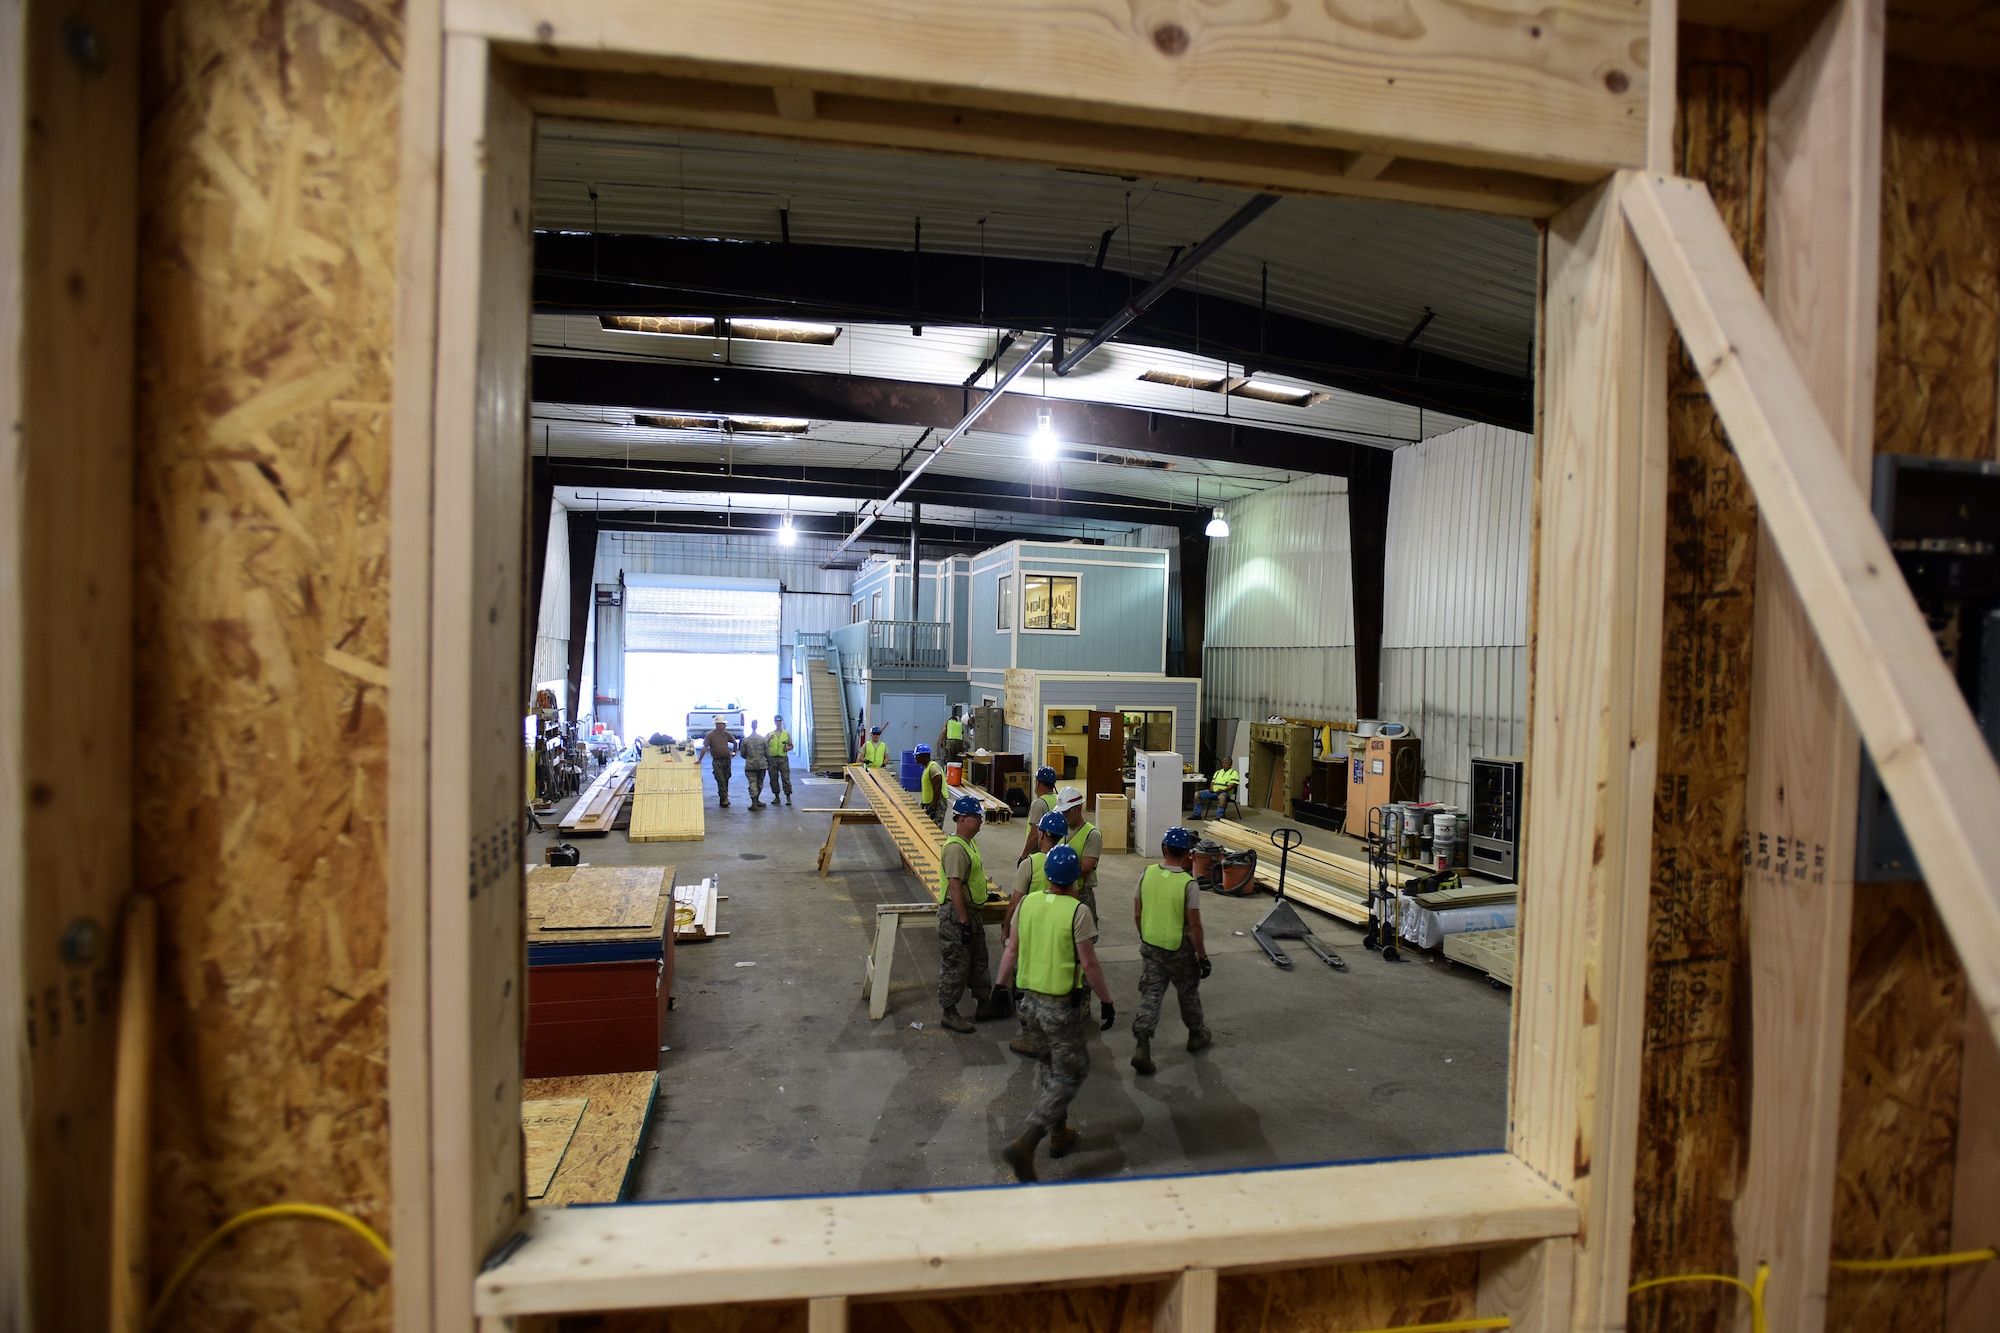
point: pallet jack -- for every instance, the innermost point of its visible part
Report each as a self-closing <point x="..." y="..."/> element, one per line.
<point x="1282" y="922"/>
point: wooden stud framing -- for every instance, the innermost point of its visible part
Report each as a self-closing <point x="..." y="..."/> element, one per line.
<point x="1188" y="1304"/>
<point x="1919" y="730"/>
<point x="1572" y="1119"/>
<point x="1592" y="738"/>
<point x="1820" y="283"/>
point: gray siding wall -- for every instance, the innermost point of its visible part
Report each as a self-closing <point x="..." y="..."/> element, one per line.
<point x="1280" y="632"/>
<point x="1455" y="607"/>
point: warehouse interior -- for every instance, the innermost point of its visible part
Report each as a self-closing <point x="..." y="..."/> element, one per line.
<point x="269" y="1048"/>
<point x="1279" y="505"/>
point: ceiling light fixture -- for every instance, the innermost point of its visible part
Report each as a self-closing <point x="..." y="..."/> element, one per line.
<point x="708" y="326"/>
<point x="1218" y="526"/>
<point x="787" y="534"/>
<point x="1042" y="445"/>
<point x="1238" y="386"/>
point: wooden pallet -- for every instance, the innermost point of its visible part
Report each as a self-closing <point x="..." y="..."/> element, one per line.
<point x="596" y="811"/>
<point x="1493" y="952"/>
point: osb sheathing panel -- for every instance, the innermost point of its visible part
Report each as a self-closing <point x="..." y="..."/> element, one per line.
<point x="268" y="187"/>
<point x="1938" y="360"/>
<point x="1691" y="1129"/>
<point x="1124" y="1308"/>
<point x="1339" y="1298"/>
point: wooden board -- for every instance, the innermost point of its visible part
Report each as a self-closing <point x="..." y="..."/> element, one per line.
<point x="543" y="883"/>
<point x="596" y="810"/>
<point x="668" y="816"/>
<point x="546" y="1127"/>
<point x="606" y="898"/>
<point x="598" y="1162"/>
<point x="698" y="912"/>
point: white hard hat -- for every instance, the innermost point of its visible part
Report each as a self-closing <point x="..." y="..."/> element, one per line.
<point x="1068" y="799"/>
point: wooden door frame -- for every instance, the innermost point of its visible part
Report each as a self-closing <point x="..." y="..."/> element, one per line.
<point x="1553" y="1212"/>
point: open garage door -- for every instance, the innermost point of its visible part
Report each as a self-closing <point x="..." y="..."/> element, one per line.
<point x="693" y="644"/>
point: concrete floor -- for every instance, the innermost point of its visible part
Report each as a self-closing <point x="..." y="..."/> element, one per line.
<point x="777" y="1083"/>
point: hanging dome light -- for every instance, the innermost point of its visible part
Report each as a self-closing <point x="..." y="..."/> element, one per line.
<point x="787" y="534"/>
<point x="1042" y="444"/>
<point x="1218" y="526"/>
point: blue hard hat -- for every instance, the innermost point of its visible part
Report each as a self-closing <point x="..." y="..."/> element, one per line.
<point x="968" y="805"/>
<point x="1177" y="839"/>
<point x="922" y="749"/>
<point x="874" y="731"/>
<point x="1045" y="777"/>
<point x="1054" y="825"/>
<point x="1063" y="866"/>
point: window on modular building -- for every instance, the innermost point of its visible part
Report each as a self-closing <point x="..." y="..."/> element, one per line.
<point x="1006" y="602"/>
<point x="694" y="645"/>
<point x="1048" y="601"/>
<point x="875" y="606"/>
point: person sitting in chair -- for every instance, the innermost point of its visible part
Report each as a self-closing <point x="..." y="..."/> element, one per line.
<point x="1221" y="789"/>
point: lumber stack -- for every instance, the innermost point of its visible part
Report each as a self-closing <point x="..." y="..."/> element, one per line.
<point x="995" y="809"/>
<point x="667" y="798"/>
<point x="697" y="912"/>
<point x="596" y="811"/>
<point x="1328" y="881"/>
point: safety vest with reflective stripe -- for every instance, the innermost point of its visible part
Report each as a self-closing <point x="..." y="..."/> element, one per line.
<point x="975" y="883"/>
<point x="1163" y="907"/>
<point x="1045" y="959"/>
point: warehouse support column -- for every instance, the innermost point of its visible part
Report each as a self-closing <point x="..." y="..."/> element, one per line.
<point x="1368" y="541"/>
<point x="582" y="602"/>
<point x="916" y="521"/>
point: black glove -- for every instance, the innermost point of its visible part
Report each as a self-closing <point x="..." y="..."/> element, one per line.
<point x="1206" y="968"/>
<point x="1110" y="1016"/>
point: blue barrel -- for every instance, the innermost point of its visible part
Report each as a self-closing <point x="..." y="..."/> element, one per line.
<point x="913" y="772"/>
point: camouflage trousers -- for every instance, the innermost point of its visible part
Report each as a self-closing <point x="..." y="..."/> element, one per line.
<point x="721" y="768"/>
<point x="1056" y="1026"/>
<point x="781" y="771"/>
<point x="1157" y="967"/>
<point x="962" y="956"/>
<point x="753" y="778"/>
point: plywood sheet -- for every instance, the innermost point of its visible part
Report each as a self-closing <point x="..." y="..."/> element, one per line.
<point x="607" y="1136"/>
<point x="1691" y="1121"/>
<point x="668" y="816"/>
<point x="546" y="1127"/>
<point x="544" y="888"/>
<point x="606" y="898"/>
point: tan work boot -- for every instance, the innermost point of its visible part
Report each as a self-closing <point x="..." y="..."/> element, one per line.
<point x="1062" y="1141"/>
<point x="1142" y="1058"/>
<point x="1022" y="1046"/>
<point x="1020" y="1154"/>
<point x="1199" y="1040"/>
<point x="955" y="1023"/>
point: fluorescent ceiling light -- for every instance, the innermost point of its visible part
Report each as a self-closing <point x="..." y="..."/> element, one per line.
<point x="1042" y="445"/>
<point x="1238" y="386"/>
<point x="730" y="425"/>
<point x="707" y="326"/>
<point x="1218" y="526"/>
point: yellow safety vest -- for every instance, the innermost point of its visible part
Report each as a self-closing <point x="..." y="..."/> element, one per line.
<point x="1045" y="960"/>
<point x="1038" y="880"/>
<point x="954" y="730"/>
<point x="1088" y="879"/>
<point x="1163" y="906"/>
<point x="975" y="884"/>
<point x="874" y="754"/>
<point x="779" y="744"/>
<point x="1224" y="779"/>
<point x="931" y="793"/>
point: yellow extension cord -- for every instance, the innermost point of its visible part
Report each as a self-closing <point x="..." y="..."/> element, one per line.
<point x="315" y="1212"/>
<point x="1756" y="1292"/>
<point x="1985" y="1256"/>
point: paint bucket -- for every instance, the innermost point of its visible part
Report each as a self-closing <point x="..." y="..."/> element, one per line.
<point x="954" y="774"/>
<point x="1445" y="835"/>
<point x="1389" y="823"/>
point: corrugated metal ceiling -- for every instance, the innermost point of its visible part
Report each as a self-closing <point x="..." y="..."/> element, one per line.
<point x="1364" y="265"/>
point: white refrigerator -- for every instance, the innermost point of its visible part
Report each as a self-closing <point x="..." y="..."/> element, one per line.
<point x="1156" y="799"/>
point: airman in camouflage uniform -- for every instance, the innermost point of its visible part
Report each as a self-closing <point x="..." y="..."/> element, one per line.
<point x="756" y="758"/>
<point x="961" y="894"/>
<point x="1167" y="911"/>
<point x="1052" y="949"/>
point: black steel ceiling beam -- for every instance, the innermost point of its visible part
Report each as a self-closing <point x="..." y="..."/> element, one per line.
<point x="888" y="534"/>
<point x="621" y="274"/>
<point x="665" y="386"/>
<point x="862" y="484"/>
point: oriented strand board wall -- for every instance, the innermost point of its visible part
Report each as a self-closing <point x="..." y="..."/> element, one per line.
<point x="1937" y="369"/>
<point x="1692" y="1119"/>
<point x="268" y="188"/>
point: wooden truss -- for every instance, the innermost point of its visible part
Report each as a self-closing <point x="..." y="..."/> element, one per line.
<point x="1558" y="119"/>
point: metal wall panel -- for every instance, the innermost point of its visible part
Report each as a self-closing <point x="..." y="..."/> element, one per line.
<point x="1280" y="631"/>
<point x="1455" y="614"/>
